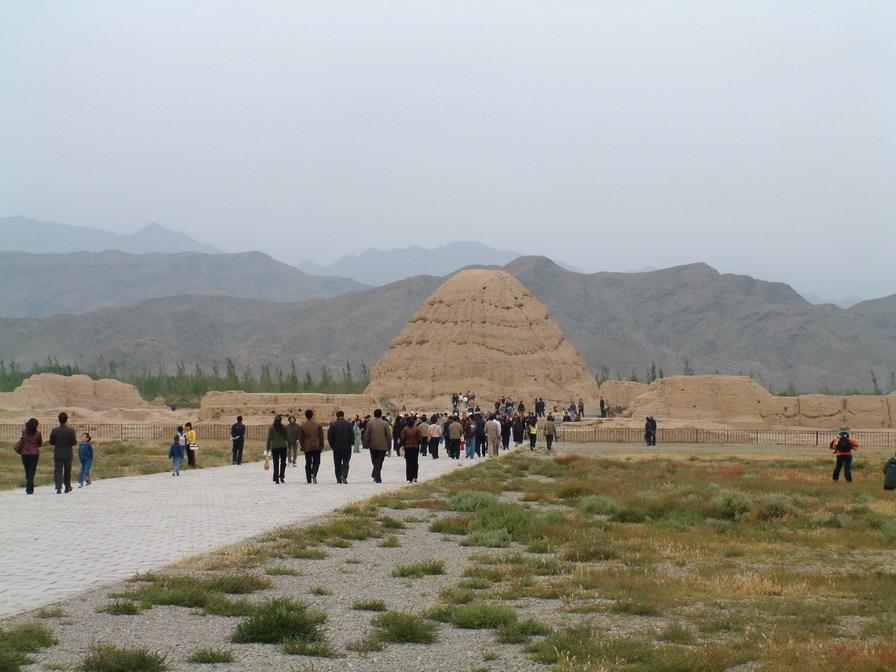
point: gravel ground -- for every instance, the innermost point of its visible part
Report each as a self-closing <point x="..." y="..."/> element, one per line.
<point x="360" y="572"/>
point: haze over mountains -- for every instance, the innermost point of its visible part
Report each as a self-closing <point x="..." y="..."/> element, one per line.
<point x="622" y="321"/>
<point x="30" y="235"/>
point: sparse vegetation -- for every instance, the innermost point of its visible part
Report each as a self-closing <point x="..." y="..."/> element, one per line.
<point x="403" y="628"/>
<point x="211" y="657"/>
<point x="110" y="658"/>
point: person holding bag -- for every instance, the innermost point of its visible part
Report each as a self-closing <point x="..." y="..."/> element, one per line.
<point x="276" y="445"/>
<point x="29" y="448"/>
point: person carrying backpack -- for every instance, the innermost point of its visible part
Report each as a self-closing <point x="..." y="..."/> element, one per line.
<point x="844" y="446"/>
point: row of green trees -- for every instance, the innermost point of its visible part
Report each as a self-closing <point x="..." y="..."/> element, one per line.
<point x="187" y="386"/>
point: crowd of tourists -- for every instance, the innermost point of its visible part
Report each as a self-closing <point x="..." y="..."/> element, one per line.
<point x="469" y="433"/>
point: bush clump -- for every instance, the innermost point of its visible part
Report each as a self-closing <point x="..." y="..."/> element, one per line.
<point x="471" y="500"/>
<point x="515" y="519"/>
<point x="776" y="505"/>
<point x="730" y="505"/>
<point x="110" y="658"/>
<point x="280" y="621"/>
<point x="597" y="505"/>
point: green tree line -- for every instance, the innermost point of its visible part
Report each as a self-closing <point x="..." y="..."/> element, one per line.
<point x="186" y="386"/>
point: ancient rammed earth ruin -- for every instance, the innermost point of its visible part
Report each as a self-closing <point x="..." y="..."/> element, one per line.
<point x="485" y="333"/>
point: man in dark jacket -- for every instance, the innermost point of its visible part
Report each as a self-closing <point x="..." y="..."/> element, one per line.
<point x="890" y="474"/>
<point x="62" y="438"/>
<point x="844" y="446"/>
<point x="311" y="440"/>
<point x="377" y="439"/>
<point x="238" y="436"/>
<point x="341" y="437"/>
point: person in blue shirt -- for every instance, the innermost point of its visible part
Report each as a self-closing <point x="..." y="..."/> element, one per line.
<point x="176" y="453"/>
<point x="85" y="455"/>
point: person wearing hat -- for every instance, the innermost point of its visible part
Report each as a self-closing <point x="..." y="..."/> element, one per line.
<point x="844" y="446"/>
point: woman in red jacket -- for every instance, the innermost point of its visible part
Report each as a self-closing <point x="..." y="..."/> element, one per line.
<point x="30" y="452"/>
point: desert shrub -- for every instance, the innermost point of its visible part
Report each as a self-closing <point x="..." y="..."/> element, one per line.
<point x="451" y="525"/>
<point x="21" y="640"/>
<point x="110" y="658"/>
<point x="597" y="505"/>
<point x="427" y="568"/>
<point x="399" y="628"/>
<point x="471" y="500"/>
<point x="776" y="505"/>
<point x="370" y="605"/>
<point x="516" y="519"/>
<point x="121" y="608"/>
<point x="521" y="631"/>
<point x="279" y="621"/>
<point x="482" y="615"/>
<point x="730" y="505"/>
<point x="211" y="657"/>
<point x="488" y="538"/>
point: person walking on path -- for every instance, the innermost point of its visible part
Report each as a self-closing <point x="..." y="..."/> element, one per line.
<point x="518" y="427"/>
<point x="493" y="435"/>
<point x="434" y="436"/>
<point x="292" y="437"/>
<point x="423" y="426"/>
<point x="378" y="440"/>
<point x="277" y="444"/>
<point x="85" y="457"/>
<point x="29" y="448"/>
<point x="63" y="439"/>
<point x="191" y="445"/>
<point x="341" y="436"/>
<point x="532" y="427"/>
<point x="455" y="432"/>
<point x="650" y="431"/>
<point x="356" y="430"/>
<point x="549" y="430"/>
<point x="844" y="446"/>
<point x="890" y="474"/>
<point x="410" y="440"/>
<point x="311" y="441"/>
<point x="470" y="437"/>
<point x="238" y="436"/>
<point x="176" y="455"/>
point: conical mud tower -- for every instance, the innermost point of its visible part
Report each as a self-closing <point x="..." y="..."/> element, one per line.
<point x="485" y="333"/>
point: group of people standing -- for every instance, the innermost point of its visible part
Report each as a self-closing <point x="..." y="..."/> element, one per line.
<point x="63" y="440"/>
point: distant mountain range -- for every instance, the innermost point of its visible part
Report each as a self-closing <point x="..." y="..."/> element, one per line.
<point x="380" y="267"/>
<point x="29" y="235"/>
<point x="80" y="282"/>
<point x="622" y="321"/>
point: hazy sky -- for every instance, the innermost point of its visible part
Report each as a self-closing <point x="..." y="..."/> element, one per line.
<point x="759" y="137"/>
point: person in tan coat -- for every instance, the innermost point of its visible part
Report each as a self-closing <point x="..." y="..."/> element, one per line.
<point x="311" y="440"/>
<point x="378" y="440"/>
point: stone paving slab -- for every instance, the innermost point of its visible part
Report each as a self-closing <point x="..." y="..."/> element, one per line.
<point x="56" y="546"/>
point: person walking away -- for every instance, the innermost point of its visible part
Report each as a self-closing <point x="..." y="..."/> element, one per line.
<point x="356" y="431"/>
<point x="277" y="445"/>
<point x="549" y="430"/>
<point x="29" y="448"/>
<point x="651" y="427"/>
<point x="238" y="436"/>
<point x="517" y="427"/>
<point x="423" y="426"/>
<point x="532" y="425"/>
<point x="341" y="436"/>
<point x="292" y="439"/>
<point x="85" y="457"/>
<point x="63" y="439"/>
<point x="603" y="408"/>
<point x="176" y="455"/>
<point x="481" y="446"/>
<point x="410" y="440"/>
<point x="493" y="435"/>
<point x="434" y="436"/>
<point x="844" y="446"/>
<point x="454" y="432"/>
<point x="890" y="474"/>
<point x="311" y="441"/>
<point x="191" y="445"/>
<point x="470" y="437"/>
<point x="378" y="440"/>
<point x="505" y="432"/>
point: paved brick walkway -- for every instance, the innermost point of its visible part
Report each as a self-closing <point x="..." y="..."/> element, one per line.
<point x="55" y="546"/>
